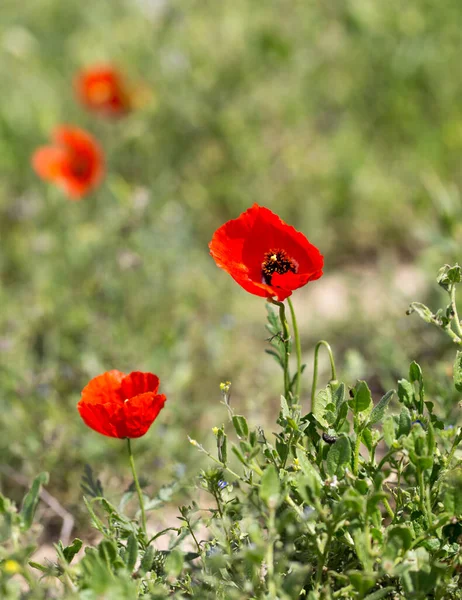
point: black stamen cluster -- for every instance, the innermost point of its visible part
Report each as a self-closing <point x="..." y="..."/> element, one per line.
<point x="276" y="261"/>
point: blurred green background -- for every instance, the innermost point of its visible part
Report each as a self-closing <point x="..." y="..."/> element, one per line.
<point x="345" y="118"/>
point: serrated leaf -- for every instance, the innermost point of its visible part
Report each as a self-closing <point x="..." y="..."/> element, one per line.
<point x="378" y="411"/>
<point x="31" y="499"/>
<point x="270" y="486"/>
<point x="96" y="521"/>
<point x="91" y="485"/>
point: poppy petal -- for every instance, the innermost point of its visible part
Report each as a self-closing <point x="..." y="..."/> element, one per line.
<point x="99" y="417"/>
<point x="138" y="414"/>
<point x="139" y="383"/>
<point x="48" y="162"/>
<point x="104" y="389"/>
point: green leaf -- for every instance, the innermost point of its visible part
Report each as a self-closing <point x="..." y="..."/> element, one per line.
<point x="96" y="521"/>
<point x="270" y="486"/>
<point x="389" y="433"/>
<point x="309" y="470"/>
<point x="404" y="423"/>
<point x="107" y="550"/>
<point x="378" y="411"/>
<point x="362" y="398"/>
<point x="406" y="393"/>
<point x="366" y="436"/>
<point x="339" y="396"/>
<point x="323" y="398"/>
<point x="339" y="456"/>
<point x="399" y="539"/>
<point x="222" y="446"/>
<point x="362" y="581"/>
<point x="276" y="356"/>
<point x="451" y="492"/>
<point x="285" y="410"/>
<point x="448" y="276"/>
<point x="423" y="311"/>
<point x="174" y="563"/>
<point x="146" y="561"/>
<point x="239" y="455"/>
<point x="240" y="425"/>
<point x="383" y="593"/>
<point x="131" y="552"/>
<point x="415" y="372"/>
<point x="31" y="499"/>
<point x="458" y="371"/>
<point x="70" y="551"/>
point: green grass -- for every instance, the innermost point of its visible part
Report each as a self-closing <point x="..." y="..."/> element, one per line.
<point x="344" y="118"/>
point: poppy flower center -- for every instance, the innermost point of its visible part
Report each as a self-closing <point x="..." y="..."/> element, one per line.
<point x="80" y="167"/>
<point x="276" y="261"/>
<point x="100" y="92"/>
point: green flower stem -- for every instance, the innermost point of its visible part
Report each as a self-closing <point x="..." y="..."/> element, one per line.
<point x="298" y="348"/>
<point x="356" y="454"/>
<point x="315" y="370"/>
<point x="454" y="308"/>
<point x="137" y="486"/>
<point x="272" y="593"/>
<point x="322" y="560"/>
<point x="222" y="465"/>
<point x="424" y="498"/>
<point x="286" y="341"/>
<point x="390" y="512"/>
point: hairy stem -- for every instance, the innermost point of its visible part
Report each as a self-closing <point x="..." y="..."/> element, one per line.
<point x="298" y="348"/>
<point x="137" y="485"/>
<point x="286" y="342"/>
<point x="315" y="369"/>
<point x="454" y="309"/>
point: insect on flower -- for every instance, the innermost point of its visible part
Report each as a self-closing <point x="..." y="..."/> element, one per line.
<point x="103" y="89"/>
<point x="121" y="406"/>
<point x="73" y="162"/>
<point x="264" y="255"/>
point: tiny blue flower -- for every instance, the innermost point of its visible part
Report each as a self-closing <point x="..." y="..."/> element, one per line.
<point x="222" y="484"/>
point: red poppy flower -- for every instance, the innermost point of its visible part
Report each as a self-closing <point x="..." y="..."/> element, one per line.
<point x="121" y="406"/>
<point x="264" y="255"/>
<point x="74" y="161"/>
<point x="103" y="89"/>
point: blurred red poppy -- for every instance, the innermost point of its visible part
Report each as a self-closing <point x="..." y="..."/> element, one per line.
<point x="74" y="162"/>
<point x="121" y="406"/>
<point x="264" y="255"/>
<point x="103" y="89"/>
